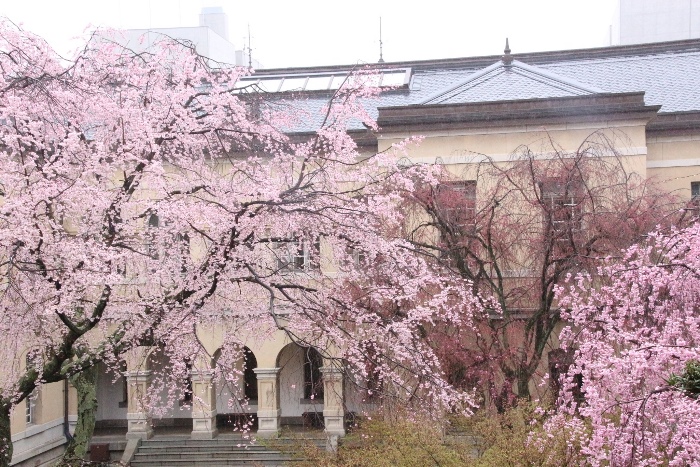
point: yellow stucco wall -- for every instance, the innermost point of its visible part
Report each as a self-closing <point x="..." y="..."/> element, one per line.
<point x="675" y="162"/>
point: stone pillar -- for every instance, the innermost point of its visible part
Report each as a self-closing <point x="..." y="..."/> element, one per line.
<point x="203" y="405"/>
<point x="138" y="376"/>
<point x="268" y="402"/>
<point x="333" y="403"/>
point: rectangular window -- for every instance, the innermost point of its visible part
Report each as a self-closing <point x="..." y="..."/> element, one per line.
<point x="695" y="193"/>
<point x="124" y="385"/>
<point x="187" y="395"/>
<point x="30" y="401"/>
<point x="151" y="232"/>
<point x="455" y="203"/>
<point x="454" y="206"/>
<point x="157" y="246"/>
<point x="562" y="202"/>
<point x="29" y="410"/>
<point x="297" y="255"/>
<point x="356" y="256"/>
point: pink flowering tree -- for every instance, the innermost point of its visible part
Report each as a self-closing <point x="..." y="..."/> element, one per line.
<point x="632" y="395"/>
<point x="510" y="233"/>
<point x="144" y="196"/>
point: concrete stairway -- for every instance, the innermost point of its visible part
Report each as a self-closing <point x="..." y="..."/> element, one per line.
<point x="221" y="451"/>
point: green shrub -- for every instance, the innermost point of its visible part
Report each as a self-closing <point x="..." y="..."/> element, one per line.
<point x="517" y="438"/>
<point x="514" y="438"/>
<point x="379" y="443"/>
<point x="689" y="380"/>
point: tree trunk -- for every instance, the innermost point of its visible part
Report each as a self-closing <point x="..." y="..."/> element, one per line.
<point x="85" y="383"/>
<point x="5" y="435"/>
<point x="524" y="385"/>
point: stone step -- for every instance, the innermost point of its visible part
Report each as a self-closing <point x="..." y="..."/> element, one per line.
<point x="221" y="451"/>
<point x="231" y="442"/>
<point x="228" y="448"/>
<point x="190" y="449"/>
<point x="214" y="455"/>
<point x="211" y="463"/>
<point x="222" y="447"/>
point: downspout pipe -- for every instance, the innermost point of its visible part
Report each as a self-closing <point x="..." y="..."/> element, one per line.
<point x="66" y="424"/>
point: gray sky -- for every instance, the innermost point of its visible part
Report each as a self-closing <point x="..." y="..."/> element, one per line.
<point x="302" y="33"/>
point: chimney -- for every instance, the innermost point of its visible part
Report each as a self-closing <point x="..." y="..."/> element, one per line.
<point x="215" y="19"/>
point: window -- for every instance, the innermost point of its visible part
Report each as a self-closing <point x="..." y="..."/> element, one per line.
<point x="153" y="224"/>
<point x="29" y="411"/>
<point x="358" y="257"/>
<point x="455" y="203"/>
<point x="181" y="246"/>
<point x="695" y="194"/>
<point x="177" y="246"/>
<point x="355" y="255"/>
<point x="397" y="77"/>
<point x="297" y="255"/>
<point x="125" y="386"/>
<point x="31" y="399"/>
<point x="562" y="202"/>
<point x="188" y="392"/>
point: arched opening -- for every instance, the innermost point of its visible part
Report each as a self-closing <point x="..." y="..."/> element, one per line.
<point x="301" y="386"/>
<point x="313" y="380"/>
<point x="250" y="381"/>
<point x="237" y="390"/>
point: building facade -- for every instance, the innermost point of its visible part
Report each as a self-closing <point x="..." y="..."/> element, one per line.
<point x="644" y="97"/>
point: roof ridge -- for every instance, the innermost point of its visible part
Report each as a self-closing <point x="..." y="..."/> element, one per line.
<point x="527" y="71"/>
<point x="655" y="56"/>
<point x="541" y="58"/>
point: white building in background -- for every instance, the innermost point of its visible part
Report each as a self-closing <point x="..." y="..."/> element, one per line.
<point x="642" y="21"/>
<point x="210" y="38"/>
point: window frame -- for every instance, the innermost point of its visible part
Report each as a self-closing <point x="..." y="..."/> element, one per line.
<point x="461" y="216"/>
<point x="563" y="207"/>
<point x="298" y="259"/>
<point x="29" y="408"/>
<point x="695" y="195"/>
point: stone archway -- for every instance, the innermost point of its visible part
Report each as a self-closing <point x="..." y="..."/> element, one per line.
<point x="237" y="391"/>
<point x="301" y="386"/>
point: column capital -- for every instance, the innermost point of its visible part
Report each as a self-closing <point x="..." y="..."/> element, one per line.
<point x="202" y="375"/>
<point x="331" y="372"/>
<point x="266" y="373"/>
<point x="137" y="374"/>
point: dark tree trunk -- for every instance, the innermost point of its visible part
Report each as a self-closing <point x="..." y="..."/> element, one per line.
<point x="85" y="383"/>
<point x="524" y="385"/>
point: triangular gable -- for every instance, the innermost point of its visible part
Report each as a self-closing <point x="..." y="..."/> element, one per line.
<point x="514" y="81"/>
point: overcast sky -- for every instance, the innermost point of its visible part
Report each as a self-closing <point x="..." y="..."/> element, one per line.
<point x="302" y="33"/>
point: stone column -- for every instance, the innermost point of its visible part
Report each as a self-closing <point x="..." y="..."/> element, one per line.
<point x="268" y="402"/>
<point x="203" y="405"/>
<point x="333" y="403"/>
<point x="138" y="376"/>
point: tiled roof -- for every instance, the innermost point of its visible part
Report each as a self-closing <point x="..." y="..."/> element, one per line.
<point x="670" y="80"/>
<point x="669" y="76"/>
<point x="510" y="82"/>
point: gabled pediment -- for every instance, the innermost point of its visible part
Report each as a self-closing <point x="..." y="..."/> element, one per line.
<point x="512" y="81"/>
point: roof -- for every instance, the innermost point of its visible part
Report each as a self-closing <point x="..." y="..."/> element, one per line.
<point x="667" y="73"/>
<point x="510" y="81"/>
